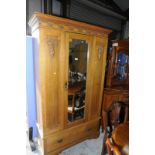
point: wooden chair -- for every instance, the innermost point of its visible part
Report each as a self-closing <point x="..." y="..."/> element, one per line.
<point x="117" y="113"/>
<point x="112" y="147"/>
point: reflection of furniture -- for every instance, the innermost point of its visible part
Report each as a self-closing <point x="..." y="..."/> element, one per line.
<point x="119" y="142"/>
<point x="72" y="93"/>
<point x="80" y="52"/>
<point x="115" y="114"/>
<point x="52" y="37"/>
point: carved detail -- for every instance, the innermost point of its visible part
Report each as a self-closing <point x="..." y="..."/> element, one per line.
<point x="99" y="50"/>
<point x="52" y="43"/>
<point x="73" y="29"/>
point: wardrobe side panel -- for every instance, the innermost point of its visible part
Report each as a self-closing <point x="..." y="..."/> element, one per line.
<point x="99" y="63"/>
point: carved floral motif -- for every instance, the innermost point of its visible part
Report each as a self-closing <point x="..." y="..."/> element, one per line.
<point x="99" y="50"/>
<point x="52" y="43"/>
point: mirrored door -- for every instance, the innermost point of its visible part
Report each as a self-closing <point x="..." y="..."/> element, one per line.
<point x="77" y="78"/>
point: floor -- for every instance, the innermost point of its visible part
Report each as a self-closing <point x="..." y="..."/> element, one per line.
<point x="87" y="147"/>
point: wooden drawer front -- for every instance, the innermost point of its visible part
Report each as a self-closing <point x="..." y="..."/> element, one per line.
<point x="56" y="141"/>
<point x="64" y="138"/>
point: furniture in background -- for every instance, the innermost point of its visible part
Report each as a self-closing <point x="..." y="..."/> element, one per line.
<point x="111" y="96"/>
<point x="117" y="75"/>
<point x="117" y="79"/>
<point x="118" y="65"/>
<point x="68" y="96"/>
<point x="116" y="134"/>
<point x="119" y="143"/>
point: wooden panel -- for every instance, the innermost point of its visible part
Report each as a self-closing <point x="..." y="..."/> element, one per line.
<point x="111" y="96"/>
<point x="99" y="62"/>
<point x="124" y="98"/>
<point x="51" y="73"/>
<point x="108" y="100"/>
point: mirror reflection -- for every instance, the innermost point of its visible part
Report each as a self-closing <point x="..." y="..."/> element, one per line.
<point x="77" y="79"/>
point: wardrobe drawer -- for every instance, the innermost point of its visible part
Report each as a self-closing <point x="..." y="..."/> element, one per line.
<point x="57" y="141"/>
<point x="64" y="138"/>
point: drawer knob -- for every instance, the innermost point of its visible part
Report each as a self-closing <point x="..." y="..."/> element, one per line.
<point x="60" y="141"/>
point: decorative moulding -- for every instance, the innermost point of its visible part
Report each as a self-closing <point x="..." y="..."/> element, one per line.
<point x="40" y="19"/>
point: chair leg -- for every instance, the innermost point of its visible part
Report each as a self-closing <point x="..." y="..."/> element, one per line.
<point x="104" y="143"/>
<point x="109" y="150"/>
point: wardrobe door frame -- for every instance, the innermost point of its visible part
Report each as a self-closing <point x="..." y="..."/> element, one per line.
<point x="69" y="36"/>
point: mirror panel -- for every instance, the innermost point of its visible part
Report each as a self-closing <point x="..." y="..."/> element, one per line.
<point x="77" y="79"/>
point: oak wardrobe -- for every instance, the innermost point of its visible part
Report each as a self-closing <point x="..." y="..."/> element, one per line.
<point x="70" y="59"/>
